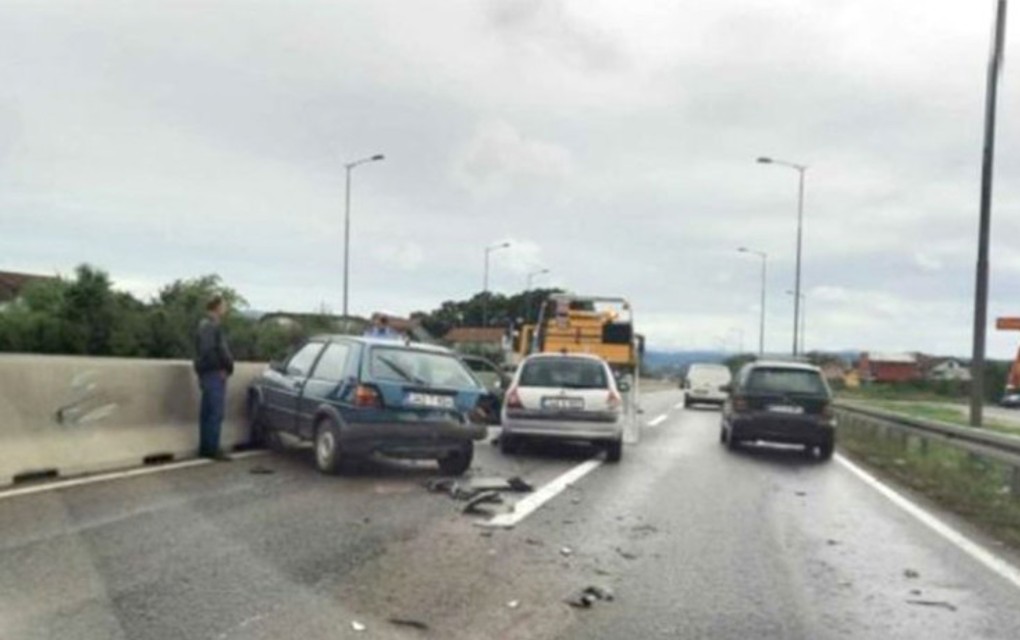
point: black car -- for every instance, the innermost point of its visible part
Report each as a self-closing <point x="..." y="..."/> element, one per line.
<point x="358" y="396"/>
<point x="783" y="402"/>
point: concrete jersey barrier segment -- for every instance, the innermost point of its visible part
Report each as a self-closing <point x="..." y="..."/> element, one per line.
<point x="70" y="415"/>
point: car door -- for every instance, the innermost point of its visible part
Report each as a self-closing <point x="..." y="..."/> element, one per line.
<point x="325" y="385"/>
<point x="283" y="388"/>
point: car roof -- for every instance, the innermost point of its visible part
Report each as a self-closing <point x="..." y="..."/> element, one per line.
<point x="783" y="364"/>
<point x="384" y="342"/>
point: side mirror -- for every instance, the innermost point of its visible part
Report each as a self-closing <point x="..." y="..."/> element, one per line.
<point x="277" y="366"/>
<point x="726" y="388"/>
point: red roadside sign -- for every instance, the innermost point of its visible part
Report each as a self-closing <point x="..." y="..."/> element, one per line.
<point x="1007" y="324"/>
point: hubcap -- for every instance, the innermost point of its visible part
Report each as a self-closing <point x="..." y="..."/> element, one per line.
<point x="325" y="447"/>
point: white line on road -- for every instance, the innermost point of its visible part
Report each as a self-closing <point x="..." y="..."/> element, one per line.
<point x="991" y="561"/>
<point x="529" y="505"/>
<point x="679" y="405"/>
<point x="657" y="420"/>
<point x="119" y="475"/>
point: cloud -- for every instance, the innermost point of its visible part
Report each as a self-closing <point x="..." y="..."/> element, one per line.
<point x="498" y="159"/>
<point x="611" y="142"/>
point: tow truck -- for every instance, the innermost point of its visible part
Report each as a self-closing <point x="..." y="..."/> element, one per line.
<point x="598" y="325"/>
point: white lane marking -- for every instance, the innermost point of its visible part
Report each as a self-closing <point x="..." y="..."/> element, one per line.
<point x="119" y="475"/>
<point x="530" y="504"/>
<point x="679" y="405"/>
<point x="657" y="420"/>
<point x="991" y="561"/>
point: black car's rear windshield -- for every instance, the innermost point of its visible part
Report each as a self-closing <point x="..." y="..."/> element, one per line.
<point x="786" y="381"/>
<point x="572" y="373"/>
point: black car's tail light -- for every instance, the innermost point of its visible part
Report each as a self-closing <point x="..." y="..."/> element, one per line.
<point x="367" y="397"/>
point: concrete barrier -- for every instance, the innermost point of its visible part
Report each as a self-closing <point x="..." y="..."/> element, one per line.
<point x="67" y="415"/>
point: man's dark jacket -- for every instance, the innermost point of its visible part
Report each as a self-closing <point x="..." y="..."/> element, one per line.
<point x="212" y="353"/>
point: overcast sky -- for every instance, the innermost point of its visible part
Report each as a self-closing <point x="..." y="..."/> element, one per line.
<point x="611" y="142"/>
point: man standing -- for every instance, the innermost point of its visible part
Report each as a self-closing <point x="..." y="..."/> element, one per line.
<point x="213" y="364"/>
<point x="380" y="329"/>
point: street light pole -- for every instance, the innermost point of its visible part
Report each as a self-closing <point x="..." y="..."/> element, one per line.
<point x="527" y="291"/>
<point x="531" y="276"/>
<point x="801" y="170"/>
<point x="764" y="270"/>
<point x="803" y="318"/>
<point x="347" y="220"/>
<point x="977" y="370"/>
<point x="485" y="281"/>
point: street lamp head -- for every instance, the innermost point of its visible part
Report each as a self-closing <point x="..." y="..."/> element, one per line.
<point x="742" y="249"/>
<point x="377" y="157"/>
<point x="504" y="245"/>
<point x="764" y="160"/>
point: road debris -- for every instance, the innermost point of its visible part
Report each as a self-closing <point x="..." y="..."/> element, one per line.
<point x="802" y="493"/>
<point x="357" y="626"/>
<point x="911" y="574"/>
<point x="534" y="542"/>
<point x="941" y="604"/>
<point x="588" y="596"/>
<point x="486" y="497"/>
<point x="471" y="489"/>
<point x="915" y="592"/>
<point x="259" y="470"/>
<point x="566" y="551"/>
<point x="831" y="542"/>
<point x="407" y="622"/>
<point x="486" y="533"/>
<point x="626" y="555"/>
<point x="513" y="604"/>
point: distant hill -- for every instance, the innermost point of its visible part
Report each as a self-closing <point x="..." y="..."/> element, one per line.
<point x="667" y="362"/>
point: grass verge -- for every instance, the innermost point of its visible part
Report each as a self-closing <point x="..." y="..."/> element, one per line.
<point x="980" y="490"/>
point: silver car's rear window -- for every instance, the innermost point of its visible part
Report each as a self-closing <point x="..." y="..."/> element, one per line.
<point x="572" y="373"/>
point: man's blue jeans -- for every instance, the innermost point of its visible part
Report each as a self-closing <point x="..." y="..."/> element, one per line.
<point x="210" y="415"/>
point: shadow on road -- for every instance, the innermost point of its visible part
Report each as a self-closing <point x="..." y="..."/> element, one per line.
<point x="786" y="455"/>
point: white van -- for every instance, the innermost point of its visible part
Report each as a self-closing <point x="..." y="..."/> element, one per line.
<point x="704" y="384"/>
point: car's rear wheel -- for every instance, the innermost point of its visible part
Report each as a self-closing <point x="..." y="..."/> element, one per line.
<point x="614" y="451"/>
<point x="328" y="456"/>
<point x="508" y="444"/>
<point x="457" y="462"/>
<point x="826" y="449"/>
<point x="722" y="435"/>
<point x="687" y="402"/>
<point x="732" y="443"/>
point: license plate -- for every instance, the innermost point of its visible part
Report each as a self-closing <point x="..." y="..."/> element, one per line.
<point x="786" y="408"/>
<point x="429" y="400"/>
<point x="561" y="403"/>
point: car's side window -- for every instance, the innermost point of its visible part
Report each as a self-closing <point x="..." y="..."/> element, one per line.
<point x="333" y="363"/>
<point x="300" y="364"/>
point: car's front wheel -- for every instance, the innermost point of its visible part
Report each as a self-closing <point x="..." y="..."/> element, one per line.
<point x="508" y="444"/>
<point x="327" y="447"/>
<point x="457" y="462"/>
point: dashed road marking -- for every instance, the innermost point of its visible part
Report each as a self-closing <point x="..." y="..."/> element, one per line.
<point x="657" y="420"/>
<point x="991" y="561"/>
<point x="679" y="405"/>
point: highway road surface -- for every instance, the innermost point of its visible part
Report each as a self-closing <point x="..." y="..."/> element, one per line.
<point x="693" y="541"/>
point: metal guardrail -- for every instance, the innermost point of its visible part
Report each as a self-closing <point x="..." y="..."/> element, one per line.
<point x="998" y="446"/>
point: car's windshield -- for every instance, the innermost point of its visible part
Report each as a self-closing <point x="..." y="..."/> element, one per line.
<point x="419" y="368"/>
<point x="793" y="381"/>
<point x="572" y="373"/>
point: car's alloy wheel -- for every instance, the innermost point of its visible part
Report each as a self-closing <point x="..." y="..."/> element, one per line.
<point x="614" y="451"/>
<point x="327" y="447"/>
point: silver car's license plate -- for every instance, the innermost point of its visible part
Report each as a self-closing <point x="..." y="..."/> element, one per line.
<point x="786" y="408"/>
<point x="561" y="403"/>
<point x="429" y="400"/>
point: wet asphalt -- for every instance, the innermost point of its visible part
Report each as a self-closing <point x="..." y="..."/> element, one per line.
<point x="693" y="541"/>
